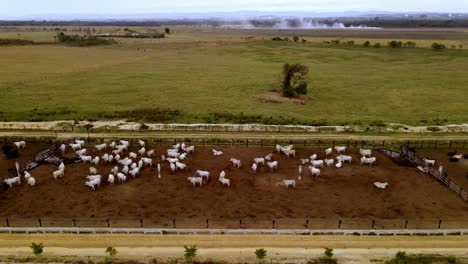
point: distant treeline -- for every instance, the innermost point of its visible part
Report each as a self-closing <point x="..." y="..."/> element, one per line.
<point x="82" y="41"/>
<point x="409" y="23"/>
<point x="11" y="42"/>
<point x="347" y="21"/>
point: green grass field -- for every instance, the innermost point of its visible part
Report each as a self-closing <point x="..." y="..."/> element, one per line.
<point x="192" y="79"/>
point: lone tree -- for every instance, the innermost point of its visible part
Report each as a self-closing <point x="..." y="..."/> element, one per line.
<point x="260" y="254"/>
<point x="168" y="31"/>
<point x="294" y="79"/>
<point x="111" y="251"/>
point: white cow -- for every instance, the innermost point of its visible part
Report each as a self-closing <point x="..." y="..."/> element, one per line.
<point x="273" y="165"/>
<point x="304" y="161"/>
<point x="254" y="167"/>
<point x="142" y="151"/>
<point x="111" y="179"/>
<point x="381" y="185"/>
<point x="93" y="183"/>
<point x="112" y="145"/>
<point x="288" y="183"/>
<point x="31" y="181"/>
<point x="134" y="172"/>
<point x="369" y="161"/>
<point x="365" y="152"/>
<point x="20" y="144"/>
<point x="27" y="175"/>
<point x="141" y="142"/>
<point x="195" y="180"/>
<point x="316" y="163"/>
<point x="81" y="152"/>
<point x="203" y="174"/>
<point x="328" y="152"/>
<point x="217" y="152"/>
<point x="225" y="181"/>
<point x="344" y="158"/>
<point x="172" y="160"/>
<point x="315" y="172"/>
<point x="63" y="148"/>
<point x="132" y="155"/>
<point x="150" y="153"/>
<point x="12" y="181"/>
<point x="290" y="152"/>
<point x="86" y="158"/>
<point x="101" y="147"/>
<point x="81" y="142"/>
<point x="173" y="168"/>
<point x="95" y="161"/>
<point x="259" y="160"/>
<point x="92" y="170"/>
<point x="121" y="177"/>
<point x="58" y="173"/>
<point x="340" y="149"/>
<point x="190" y="149"/>
<point x="236" y="162"/>
<point x="429" y="162"/>
<point x="75" y="146"/>
<point x="181" y="166"/>
<point x="313" y="157"/>
<point x="115" y="170"/>
<point x="269" y="156"/>
<point x="329" y="162"/>
<point x="222" y="174"/>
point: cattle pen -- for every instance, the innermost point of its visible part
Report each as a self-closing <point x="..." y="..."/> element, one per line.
<point x="397" y="151"/>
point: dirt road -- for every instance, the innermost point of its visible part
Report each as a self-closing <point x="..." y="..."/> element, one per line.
<point x="233" y="248"/>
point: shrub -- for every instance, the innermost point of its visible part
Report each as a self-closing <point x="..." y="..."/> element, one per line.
<point x="438" y="46"/>
<point x="395" y="44"/>
<point x="377" y="45"/>
<point x="410" y="44"/>
<point x="328" y="252"/>
<point x="367" y="44"/>
<point x="303" y="40"/>
<point x="277" y="39"/>
<point x="350" y="42"/>
<point x="11" y="42"/>
<point x="295" y="38"/>
<point x="144" y="127"/>
<point x="82" y="41"/>
<point x="10" y="151"/>
<point x="37" y="249"/>
<point x="190" y="252"/>
<point x="336" y="41"/>
<point x="261" y="253"/>
<point x="111" y="251"/>
<point x="401" y="257"/>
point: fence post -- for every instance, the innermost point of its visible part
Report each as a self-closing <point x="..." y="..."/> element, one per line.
<point x="307" y="223"/>
<point x="240" y="223"/>
<point x="40" y="222"/>
<point x="339" y="224"/>
<point x="7" y="222"/>
<point x="440" y="223"/>
<point x="406" y="224"/>
<point x="383" y="144"/>
<point x="141" y="223"/>
<point x="207" y="224"/>
<point x="74" y="222"/>
<point x="246" y="142"/>
<point x="173" y="223"/>
<point x="450" y="144"/>
<point x="108" y="222"/>
<point x="273" y="223"/>
<point x="373" y="223"/>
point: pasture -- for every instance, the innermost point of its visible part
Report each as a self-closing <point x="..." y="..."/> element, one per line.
<point x="346" y="192"/>
<point x="202" y="75"/>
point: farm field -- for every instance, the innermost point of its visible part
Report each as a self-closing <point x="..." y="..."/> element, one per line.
<point x="346" y="193"/>
<point x="202" y="75"/>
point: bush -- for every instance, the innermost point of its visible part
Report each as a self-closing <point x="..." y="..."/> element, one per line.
<point x="10" y="151"/>
<point x="350" y="42"/>
<point x="377" y="45"/>
<point x="295" y="38"/>
<point x="410" y="44"/>
<point x="395" y="44"/>
<point x="367" y="44"/>
<point x="438" y="46"/>
<point x="111" y="251"/>
<point x="277" y="39"/>
<point x="261" y="253"/>
<point x="11" y="42"/>
<point x="328" y="252"/>
<point x="190" y="252"/>
<point x="37" y="249"/>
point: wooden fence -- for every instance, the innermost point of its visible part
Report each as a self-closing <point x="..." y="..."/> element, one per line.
<point x="245" y="223"/>
<point x="409" y="154"/>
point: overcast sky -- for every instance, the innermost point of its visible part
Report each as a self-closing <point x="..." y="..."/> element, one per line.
<point x="24" y="8"/>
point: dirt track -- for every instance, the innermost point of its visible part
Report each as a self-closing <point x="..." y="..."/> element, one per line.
<point x="337" y="193"/>
<point x="234" y="248"/>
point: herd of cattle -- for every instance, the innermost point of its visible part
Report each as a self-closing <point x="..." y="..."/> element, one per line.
<point x="126" y="163"/>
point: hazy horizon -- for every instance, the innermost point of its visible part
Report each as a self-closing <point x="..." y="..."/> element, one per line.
<point x="75" y="9"/>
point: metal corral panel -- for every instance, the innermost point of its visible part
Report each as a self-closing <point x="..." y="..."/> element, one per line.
<point x="454" y="224"/>
<point x="323" y="224"/>
<point x="423" y="224"/>
<point x="383" y="224"/>
<point x="91" y="222"/>
<point x="125" y="223"/>
<point x="57" y="222"/>
<point x="256" y="224"/>
<point x="291" y="224"/>
<point x="191" y="223"/>
<point x="158" y="223"/>
<point x="224" y="223"/>
<point x="356" y="224"/>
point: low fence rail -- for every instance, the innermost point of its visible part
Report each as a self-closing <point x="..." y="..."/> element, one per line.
<point x="246" y="223"/>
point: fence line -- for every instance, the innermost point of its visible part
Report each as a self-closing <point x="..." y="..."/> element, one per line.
<point x="245" y="223"/>
<point x="410" y="155"/>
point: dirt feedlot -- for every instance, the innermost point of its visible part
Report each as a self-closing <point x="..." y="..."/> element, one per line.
<point x="338" y="193"/>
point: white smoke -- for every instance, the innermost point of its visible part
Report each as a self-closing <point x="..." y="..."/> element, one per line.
<point x="293" y="24"/>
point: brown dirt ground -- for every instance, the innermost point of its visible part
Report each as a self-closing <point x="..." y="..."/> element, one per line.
<point x="457" y="171"/>
<point x="277" y="97"/>
<point x="337" y="193"/>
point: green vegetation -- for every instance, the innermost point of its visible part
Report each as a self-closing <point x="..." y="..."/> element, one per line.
<point x="438" y="46"/>
<point x="261" y="254"/>
<point x="294" y="80"/>
<point x="37" y="249"/>
<point x="111" y="251"/>
<point x="190" y="253"/>
<point x="185" y="81"/>
<point x="328" y="252"/>
<point x="12" y="42"/>
<point x="82" y="41"/>
<point x="402" y="258"/>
